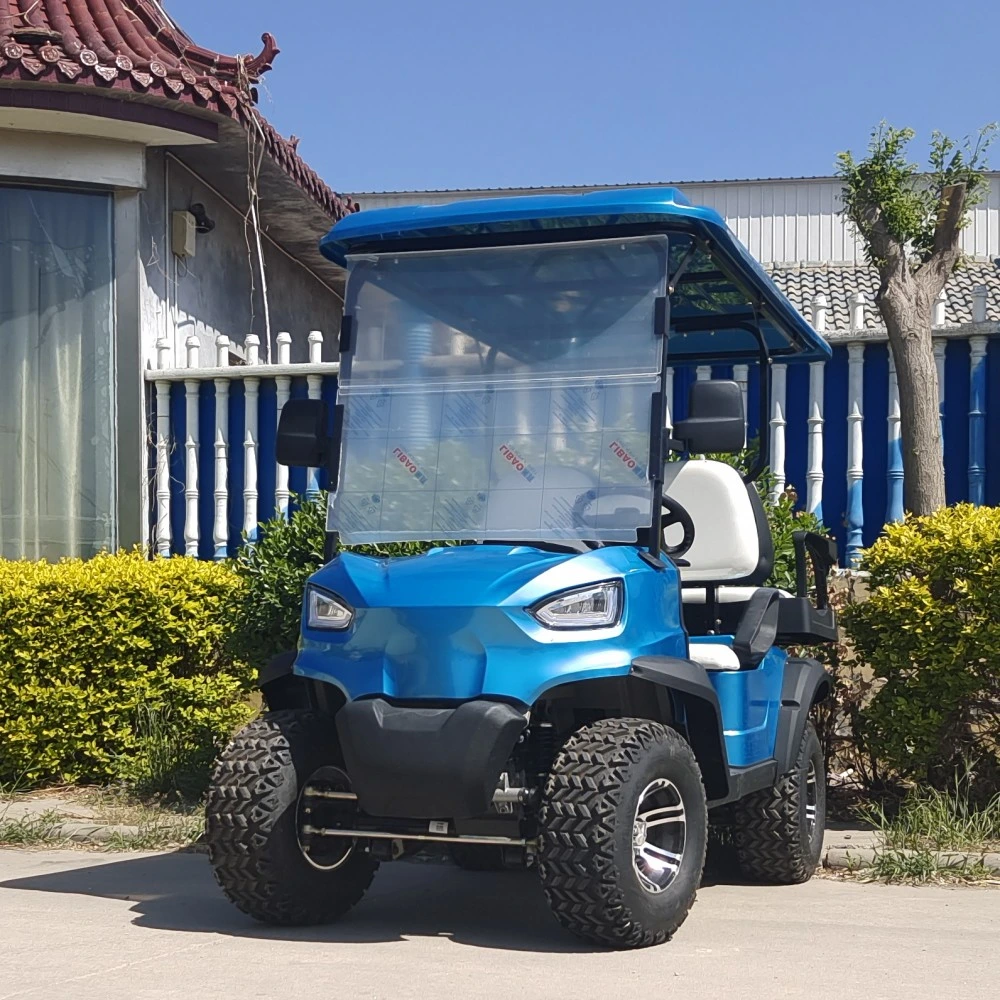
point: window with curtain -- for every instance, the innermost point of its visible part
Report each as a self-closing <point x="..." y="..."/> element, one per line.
<point x="57" y="452"/>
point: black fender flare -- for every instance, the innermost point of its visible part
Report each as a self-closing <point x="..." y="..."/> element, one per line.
<point x="806" y="683"/>
<point x="690" y="687"/>
<point x="276" y="668"/>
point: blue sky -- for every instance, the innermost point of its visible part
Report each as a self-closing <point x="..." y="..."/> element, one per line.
<point x="395" y="94"/>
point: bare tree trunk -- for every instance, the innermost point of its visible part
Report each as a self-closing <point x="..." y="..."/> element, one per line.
<point x="908" y="321"/>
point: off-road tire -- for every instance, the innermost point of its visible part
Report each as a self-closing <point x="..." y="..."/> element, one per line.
<point x="250" y="824"/>
<point x="478" y="857"/>
<point x="585" y="826"/>
<point x="770" y="827"/>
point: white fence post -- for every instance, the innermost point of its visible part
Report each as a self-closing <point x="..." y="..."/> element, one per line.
<point x="221" y="528"/>
<point x="939" y="346"/>
<point x="315" y="387"/>
<point x="191" y="532"/>
<point x="741" y="376"/>
<point x="163" y="537"/>
<point x="940" y="307"/>
<point x="669" y="403"/>
<point x="778" y="422"/>
<point x="977" y="419"/>
<point x="979" y="296"/>
<point x="251" y="391"/>
<point x="858" y="311"/>
<point x="282" y="495"/>
<point x="814" y="471"/>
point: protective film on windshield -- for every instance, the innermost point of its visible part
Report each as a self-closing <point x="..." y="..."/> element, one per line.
<point x="500" y="393"/>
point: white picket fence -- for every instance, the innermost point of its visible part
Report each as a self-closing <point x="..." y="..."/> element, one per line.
<point x="833" y="429"/>
<point x="252" y="380"/>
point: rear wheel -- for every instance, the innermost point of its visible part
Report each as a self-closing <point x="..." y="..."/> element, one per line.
<point x="779" y="830"/>
<point x="264" y="790"/>
<point x="623" y="826"/>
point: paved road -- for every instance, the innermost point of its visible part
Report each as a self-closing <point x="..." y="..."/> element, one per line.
<point x="82" y="926"/>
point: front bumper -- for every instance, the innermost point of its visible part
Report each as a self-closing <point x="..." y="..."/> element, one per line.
<point x="427" y="763"/>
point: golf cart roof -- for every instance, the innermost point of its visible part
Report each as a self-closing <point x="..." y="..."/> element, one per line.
<point x="718" y="293"/>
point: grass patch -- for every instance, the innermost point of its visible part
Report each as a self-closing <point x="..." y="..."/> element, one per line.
<point x="895" y="865"/>
<point x="931" y="820"/>
<point x="925" y="837"/>
<point x="149" y="824"/>
<point x="31" y="831"/>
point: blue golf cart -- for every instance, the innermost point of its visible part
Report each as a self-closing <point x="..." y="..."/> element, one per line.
<point x="587" y="668"/>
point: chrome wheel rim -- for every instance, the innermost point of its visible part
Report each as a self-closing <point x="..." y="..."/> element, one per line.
<point x="314" y="810"/>
<point x="812" y="797"/>
<point x="659" y="834"/>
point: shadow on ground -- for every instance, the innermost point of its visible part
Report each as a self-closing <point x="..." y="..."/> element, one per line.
<point x="176" y="892"/>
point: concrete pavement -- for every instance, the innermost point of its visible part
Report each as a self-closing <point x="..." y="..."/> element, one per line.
<point x="87" y="926"/>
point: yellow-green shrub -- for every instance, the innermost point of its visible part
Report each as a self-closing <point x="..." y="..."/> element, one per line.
<point x="930" y="631"/>
<point x="90" y="649"/>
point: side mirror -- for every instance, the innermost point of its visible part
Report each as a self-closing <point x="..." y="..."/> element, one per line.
<point x="302" y="437"/>
<point x="715" y="418"/>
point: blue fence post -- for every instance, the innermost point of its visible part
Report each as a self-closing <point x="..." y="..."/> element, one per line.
<point x="894" y="455"/>
<point x="977" y="419"/>
<point x="855" y="452"/>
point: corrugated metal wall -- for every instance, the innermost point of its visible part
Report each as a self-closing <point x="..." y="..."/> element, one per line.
<point x="780" y="221"/>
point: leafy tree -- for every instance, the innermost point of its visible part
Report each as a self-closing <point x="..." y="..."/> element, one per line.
<point x="911" y="224"/>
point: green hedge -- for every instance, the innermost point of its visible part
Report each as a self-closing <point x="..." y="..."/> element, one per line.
<point x="109" y="664"/>
<point x="930" y="632"/>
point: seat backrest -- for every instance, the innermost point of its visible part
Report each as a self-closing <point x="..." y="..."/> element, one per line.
<point x="732" y="540"/>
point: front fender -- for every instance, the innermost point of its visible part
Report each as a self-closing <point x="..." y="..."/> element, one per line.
<point x="694" y="693"/>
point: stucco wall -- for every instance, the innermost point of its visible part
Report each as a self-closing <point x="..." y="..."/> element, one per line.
<point x="219" y="289"/>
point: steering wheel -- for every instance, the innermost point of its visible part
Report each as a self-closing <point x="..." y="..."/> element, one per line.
<point x="674" y="513"/>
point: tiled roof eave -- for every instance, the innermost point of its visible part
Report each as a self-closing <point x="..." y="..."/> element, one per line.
<point x="127" y="47"/>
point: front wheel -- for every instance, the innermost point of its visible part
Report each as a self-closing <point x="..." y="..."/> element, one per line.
<point x="779" y="830"/>
<point x="623" y="827"/>
<point x="257" y="823"/>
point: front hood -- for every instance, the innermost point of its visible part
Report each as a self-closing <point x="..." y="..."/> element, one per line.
<point x="461" y="576"/>
<point x="453" y="623"/>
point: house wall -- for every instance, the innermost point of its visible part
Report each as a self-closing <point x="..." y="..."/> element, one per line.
<point x="218" y="291"/>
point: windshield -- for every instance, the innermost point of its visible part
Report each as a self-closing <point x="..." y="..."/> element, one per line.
<point x="500" y="393"/>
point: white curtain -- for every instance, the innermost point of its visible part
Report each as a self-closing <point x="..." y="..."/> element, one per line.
<point x="57" y="457"/>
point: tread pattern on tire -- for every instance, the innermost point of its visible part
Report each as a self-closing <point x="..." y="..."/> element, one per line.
<point x="578" y="818"/>
<point x="767" y="832"/>
<point x="249" y="795"/>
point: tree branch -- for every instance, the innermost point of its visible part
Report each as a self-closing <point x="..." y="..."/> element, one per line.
<point x="947" y="238"/>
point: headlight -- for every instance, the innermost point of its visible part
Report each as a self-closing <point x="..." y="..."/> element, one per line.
<point x="327" y="611"/>
<point x="596" y="606"/>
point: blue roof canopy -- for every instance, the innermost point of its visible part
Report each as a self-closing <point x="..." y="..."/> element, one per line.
<point x="720" y="291"/>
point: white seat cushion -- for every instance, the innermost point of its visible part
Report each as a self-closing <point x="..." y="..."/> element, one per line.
<point x="726" y="543"/>
<point x="713" y="655"/>
<point x="724" y="595"/>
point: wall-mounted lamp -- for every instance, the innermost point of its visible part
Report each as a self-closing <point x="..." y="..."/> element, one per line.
<point x="202" y="223"/>
<point x="184" y="229"/>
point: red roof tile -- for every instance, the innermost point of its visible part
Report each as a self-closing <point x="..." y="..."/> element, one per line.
<point x="130" y="46"/>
